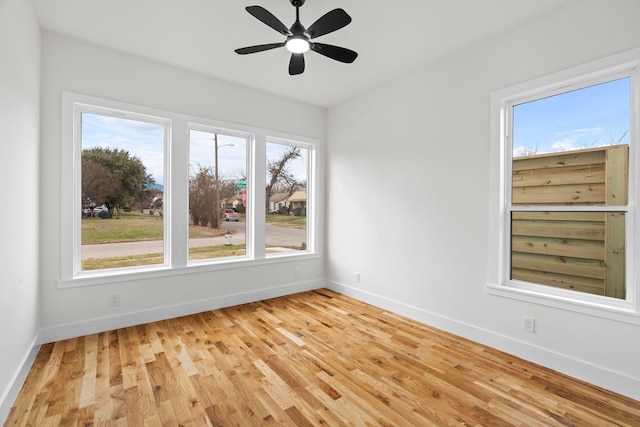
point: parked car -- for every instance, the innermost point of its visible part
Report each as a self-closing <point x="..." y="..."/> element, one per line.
<point x="230" y="215"/>
<point x="86" y="211"/>
<point x="104" y="210"/>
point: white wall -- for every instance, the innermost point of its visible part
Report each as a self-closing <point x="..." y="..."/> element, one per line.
<point x="69" y="65"/>
<point x="19" y="124"/>
<point x="410" y="162"/>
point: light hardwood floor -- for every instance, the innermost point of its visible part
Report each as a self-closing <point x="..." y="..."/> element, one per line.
<point x="315" y="358"/>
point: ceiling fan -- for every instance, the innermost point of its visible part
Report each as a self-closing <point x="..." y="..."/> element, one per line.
<point x="299" y="38"/>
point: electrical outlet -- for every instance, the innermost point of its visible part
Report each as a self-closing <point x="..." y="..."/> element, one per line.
<point x="529" y="324"/>
<point x="296" y="272"/>
<point x="114" y="300"/>
<point x="357" y="278"/>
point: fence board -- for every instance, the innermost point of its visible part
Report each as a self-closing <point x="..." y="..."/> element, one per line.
<point x="562" y="265"/>
<point x="551" y="177"/>
<point x="560" y="216"/>
<point x="586" y="249"/>
<point x="615" y="256"/>
<point x="576" y="283"/>
<point x="560" y="160"/>
<point x="560" y="194"/>
<point x="559" y="229"/>
<point x="617" y="175"/>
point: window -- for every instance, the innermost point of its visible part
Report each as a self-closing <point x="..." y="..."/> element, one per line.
<point x="150" y="193"/>
<point x="217" y="194"/>
<point x="564" y="193"/>
<point x="121" y="176"/>
<point x="286" y="196"/>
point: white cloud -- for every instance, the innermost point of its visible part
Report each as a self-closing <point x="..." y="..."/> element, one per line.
<point x="577" y="133"/>
<point x="576" y="139"/>
<point x="566" y="144"/>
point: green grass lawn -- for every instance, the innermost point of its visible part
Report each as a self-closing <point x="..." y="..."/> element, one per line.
<point x="299" y="222"/>
<point x="133" y="227"/>
<point x="205" y="252"/>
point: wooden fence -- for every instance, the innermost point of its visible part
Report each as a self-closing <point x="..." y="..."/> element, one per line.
<point x="583" y="251"/>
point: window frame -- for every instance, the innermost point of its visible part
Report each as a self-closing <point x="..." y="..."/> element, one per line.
<point x="626" y="64"/>
<point x="176" y="151"/>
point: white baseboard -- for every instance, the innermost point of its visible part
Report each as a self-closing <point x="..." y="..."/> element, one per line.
<point x="102" y="324"/>
<point x="10" y="394"/>
<point x="592" y="374"/>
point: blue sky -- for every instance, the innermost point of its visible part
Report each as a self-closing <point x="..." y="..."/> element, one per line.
<point x="146" y="141"/>
<point x="591" y="117"/>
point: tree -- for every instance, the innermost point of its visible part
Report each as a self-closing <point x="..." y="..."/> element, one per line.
<point x="130" y="182"/>
<point x="97" y="183"/>
<point x="527" y="150"/>
<point x="202" y="196"/>
<point x="279" y="177"/>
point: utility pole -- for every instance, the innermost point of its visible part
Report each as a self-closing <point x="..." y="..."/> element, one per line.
<point x="217" y="210"/>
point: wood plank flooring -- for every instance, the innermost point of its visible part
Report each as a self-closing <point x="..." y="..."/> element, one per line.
<point x="310" y="359"/>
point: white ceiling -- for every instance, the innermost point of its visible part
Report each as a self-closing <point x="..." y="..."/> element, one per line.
<point x="391" y="37"/>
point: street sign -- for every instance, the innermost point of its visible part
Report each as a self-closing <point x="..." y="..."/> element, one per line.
<point x="241" y="185"/>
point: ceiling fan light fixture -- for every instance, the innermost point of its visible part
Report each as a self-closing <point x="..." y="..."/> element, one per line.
<point x="298" y="44"/>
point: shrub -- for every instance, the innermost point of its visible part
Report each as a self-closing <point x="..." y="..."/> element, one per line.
<point x="104" y="215"/>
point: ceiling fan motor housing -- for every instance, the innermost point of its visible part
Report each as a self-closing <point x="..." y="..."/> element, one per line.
<point x="297" y="3"/>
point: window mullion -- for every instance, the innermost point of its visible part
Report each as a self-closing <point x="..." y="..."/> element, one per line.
<point x="258" y="166"/>
<point x="177" y="195"/>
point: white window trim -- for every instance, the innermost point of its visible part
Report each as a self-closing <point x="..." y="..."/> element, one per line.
<point x="176" y="188"/>
<point x="499" y="283"/>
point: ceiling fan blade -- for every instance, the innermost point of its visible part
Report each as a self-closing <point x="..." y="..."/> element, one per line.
<point x="335" y="52"/>
<point x="258" y="48"/>
<point x="328" y="23"/>
<point x="267" y="17"/>
<point x="296" y="65"/>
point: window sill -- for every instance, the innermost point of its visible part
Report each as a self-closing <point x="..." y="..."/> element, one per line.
<point x="593" y="305"/>
<point x="138" y="273"/>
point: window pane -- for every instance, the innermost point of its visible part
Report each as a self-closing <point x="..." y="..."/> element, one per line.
<point x="582" y="251"/>
<point x="122" y="182"/>
<point x="217" y="195"/>
<point x="286" y="196"/>
<point x="572" y="148"/>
